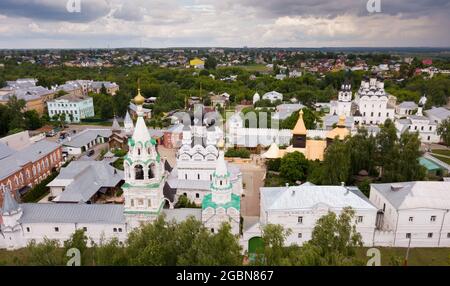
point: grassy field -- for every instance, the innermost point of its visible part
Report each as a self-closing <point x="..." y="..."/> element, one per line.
<point x="441" y="152"/>
<point x="443" y="159"/>
<point x="417" y="256"/>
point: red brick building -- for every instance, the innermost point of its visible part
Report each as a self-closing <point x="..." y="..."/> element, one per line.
<point x="23" y="169"/>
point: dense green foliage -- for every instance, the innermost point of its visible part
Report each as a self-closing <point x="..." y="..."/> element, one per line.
<point x="159" y="243"/>
<point x="334" y="241"/>
<point x="444" y="131"/>
<point x="238" y="153"/>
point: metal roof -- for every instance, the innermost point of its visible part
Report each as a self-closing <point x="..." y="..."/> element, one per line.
<point x="86" y="136"/>
<point x="308" y="196"/>
<point x="72" y="213"/>
<point x="419" y="194"/>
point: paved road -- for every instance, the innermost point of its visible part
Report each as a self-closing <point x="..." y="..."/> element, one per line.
<point x="253" y="179"/>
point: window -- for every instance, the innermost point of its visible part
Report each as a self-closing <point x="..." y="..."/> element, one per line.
<point x="197" y="195"/>
<point x="384" y="207"/>
<point x="56" y="229"/>
<point x="149" y="203"/>
<point x="28" y="229"/>
<point x="448" y="235"/>
<point x="300" y="219"/>
<point x="300" y="235"/>
<point x="85" y="228"/>
<point x="212" y="230"/>
<point x="360" y="219"/>
<point x="132" y="202"/>
<point x="433" y="218"/>
<point x="120" y="229"/>
<point x="185" y="176"/>
<point x="430" y="235"/>
<point x="408" y="235"/>
<point x="114" y="229"/>
<point x="198" y="176"/>
<point x="411" y="219"/>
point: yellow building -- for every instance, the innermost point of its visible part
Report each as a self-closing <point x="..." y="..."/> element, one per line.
<point x="197" y="63"/>
<point x="313" y="149"/>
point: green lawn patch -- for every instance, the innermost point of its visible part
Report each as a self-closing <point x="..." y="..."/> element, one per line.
<point x="441" y="152"/>
<point x="443" y="159"/>
<point x="417" y="256"/>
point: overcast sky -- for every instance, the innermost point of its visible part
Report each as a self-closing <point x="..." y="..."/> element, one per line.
<point x="225" y="23"/>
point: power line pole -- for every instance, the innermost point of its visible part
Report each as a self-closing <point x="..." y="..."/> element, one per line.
<point x="407" y="251"/>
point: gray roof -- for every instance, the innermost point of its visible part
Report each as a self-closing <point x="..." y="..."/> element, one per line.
<point x="439" y="113"/>
<point x="32" y="153"/>
<point x="408" y="104"/>
<point x="413" y="195"/>
<point x="309" y="196"/>
<point x="83" y="179"/>
<point x="27" y="94"/>
<point x="72" y="98"/>
<point x="86" y="136"/>
<point x="72" y="213"/>
<point x="5" y="151"/>
<point x="180" y="215"/>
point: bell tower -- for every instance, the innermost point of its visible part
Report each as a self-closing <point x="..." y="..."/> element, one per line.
<point x="145" y="175"/>
<point x="299" y="133"/>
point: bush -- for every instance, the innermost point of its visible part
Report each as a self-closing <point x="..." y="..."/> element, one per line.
<point x="238" y="153"/>
<point x="274" y="165"/>
<point x="119" y="152"/>
<point x="40" y="190"/>
<point x="184" y="202"/>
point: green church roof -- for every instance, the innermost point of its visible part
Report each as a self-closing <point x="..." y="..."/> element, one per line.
<point x="234" y="203"/>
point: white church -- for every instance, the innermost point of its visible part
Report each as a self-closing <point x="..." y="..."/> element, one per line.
<point x="145" y="178"/>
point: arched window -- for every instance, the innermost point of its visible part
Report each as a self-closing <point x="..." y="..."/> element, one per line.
<point x="197" y="195"/>
<point x="139" y="151"/>
<point x="151" y="171"/>
<point x="139" y="172"/>
<point x="198" y="176"/>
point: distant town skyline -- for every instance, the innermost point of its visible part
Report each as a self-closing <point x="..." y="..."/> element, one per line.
<point x="27" y="24"/>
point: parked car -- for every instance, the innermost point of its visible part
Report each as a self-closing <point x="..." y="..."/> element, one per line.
<point x="50" y="134"/>
<point x="90" y="153"/>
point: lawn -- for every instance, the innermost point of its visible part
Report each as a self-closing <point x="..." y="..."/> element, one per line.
<point x="417" y="256"/>
<point x="441" y="152"/>
<point x="443" y="159"/>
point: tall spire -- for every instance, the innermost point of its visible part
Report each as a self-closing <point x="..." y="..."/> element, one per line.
<point x="10" y="205"/>
<point x="300" y="128"/>
<point x="141" y="133"/>
<point x="139" y="99"/>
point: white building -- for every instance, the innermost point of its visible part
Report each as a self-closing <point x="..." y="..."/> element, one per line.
<point x="223" y="203"/>
<point x="413" y="212"/>
<point x="85" y="140"/>
<point x="74" y="107"/>
<point x="343" y="106"/>
<point x="299" y="207"/>
<point x="419" y="123"/>
<point x="375" y="105"/>
<point x="406" y="108"/>
<point x="197" y="159"/>
<point x="256" y="97"/>
<point x="145" y="180"/>
<point x="273" y="96"/>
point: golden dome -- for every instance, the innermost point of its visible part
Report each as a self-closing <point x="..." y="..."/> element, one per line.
<point x="300" y="128"/>
<point x="139" y="99"/>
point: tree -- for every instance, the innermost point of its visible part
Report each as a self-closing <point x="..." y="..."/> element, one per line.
<point x="103" y="90"/>
<point x="77" y="240"/>
<point x="110" y="253"/>
<point x="444" y="131"/>
<point x="310" y="119"/>
<point x="362" y="148"/>
<point x="210" y="63"/>
<point x="336" y="164"/>
<point x="294" y="167"/>
<point x="334" y="241"/>
<point x="273" y="253"/>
